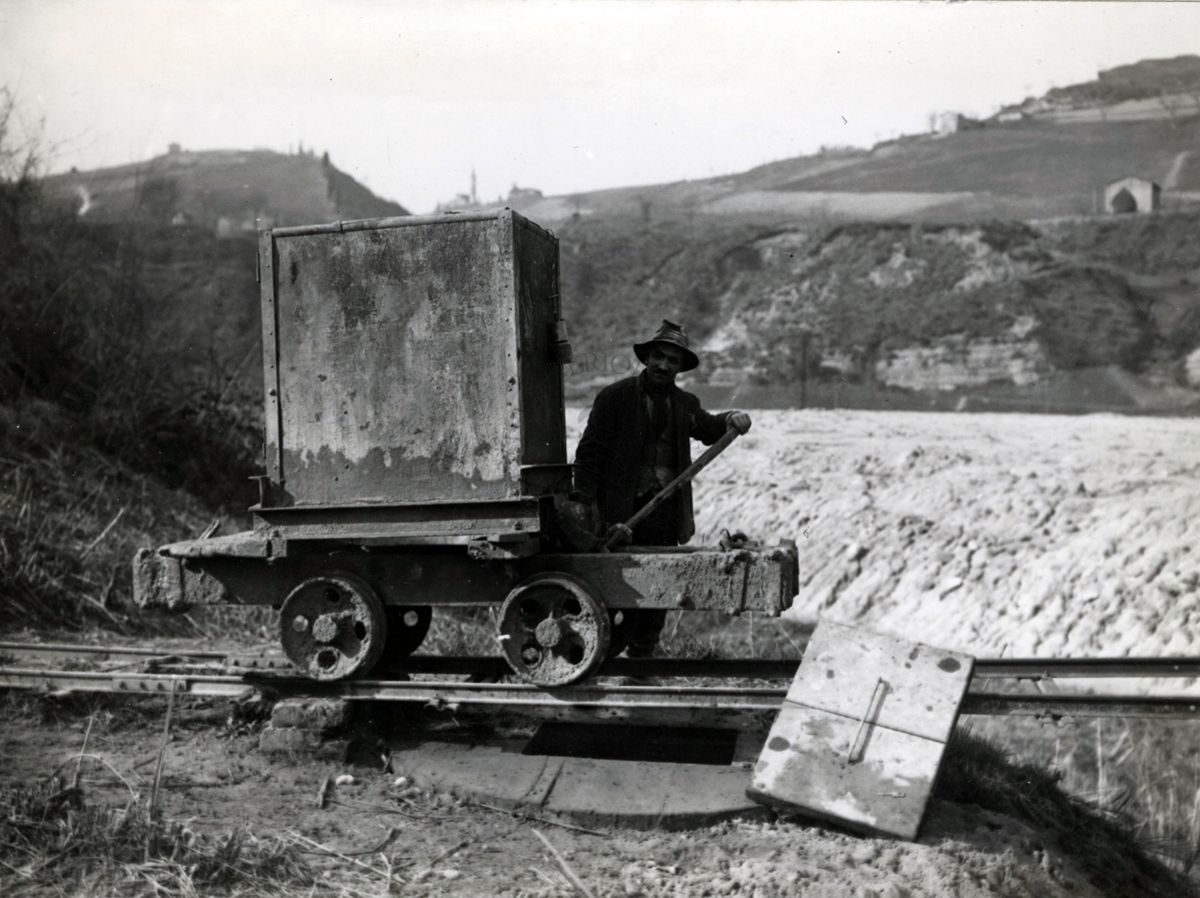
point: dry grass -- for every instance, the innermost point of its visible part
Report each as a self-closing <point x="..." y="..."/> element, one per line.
<point x="1107" y="841"/>
<point x="461" y="631"/>
<point x="54" y="841"/>
<point x="1146" y="771"/>
<point x="66" y="833"/>
<point x="71" y="518"/>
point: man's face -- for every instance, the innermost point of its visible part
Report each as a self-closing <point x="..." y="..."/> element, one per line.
<point x="663" y="363"/>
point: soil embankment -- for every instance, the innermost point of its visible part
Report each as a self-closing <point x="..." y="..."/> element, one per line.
<point x="993" y="534"/>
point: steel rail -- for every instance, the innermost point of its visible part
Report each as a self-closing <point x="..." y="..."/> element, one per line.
<point x="71" y="649"/>
<point x="763" y="669"/>
<point x="998" y="704"/>
<point x="30" y="651"/>
<point x="1033" y="669"/>
<point x="591" y="700"/>
<point x="1086" y="668"/>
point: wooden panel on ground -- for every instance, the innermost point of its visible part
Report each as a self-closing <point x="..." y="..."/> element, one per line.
<point x="861" y="736"/>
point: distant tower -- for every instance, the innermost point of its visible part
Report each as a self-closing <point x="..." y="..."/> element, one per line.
<point x="474" y="196"/>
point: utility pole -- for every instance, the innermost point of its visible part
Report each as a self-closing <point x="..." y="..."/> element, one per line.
<point x="805" y="337"/>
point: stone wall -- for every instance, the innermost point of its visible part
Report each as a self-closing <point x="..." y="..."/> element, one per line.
<point x="1192" y="368"/>
<point x="954" y="362"/>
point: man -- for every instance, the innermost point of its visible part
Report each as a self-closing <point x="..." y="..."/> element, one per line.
<point x="637" y="440"/>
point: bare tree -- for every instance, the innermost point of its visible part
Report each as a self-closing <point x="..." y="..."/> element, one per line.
<point x="645" y="204"/>
<point x="157" y="198"/>
<point x="19" y="161"/>
<point x="1171" y="100"/>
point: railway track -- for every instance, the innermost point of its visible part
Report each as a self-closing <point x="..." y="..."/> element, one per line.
<point x="210" y="673"/>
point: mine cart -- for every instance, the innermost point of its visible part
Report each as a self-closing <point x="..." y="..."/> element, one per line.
<point x="416" y="455"/>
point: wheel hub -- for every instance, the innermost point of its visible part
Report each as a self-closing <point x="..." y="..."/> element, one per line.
<point x="548" y="633"/>
<point x="325" y="628"/>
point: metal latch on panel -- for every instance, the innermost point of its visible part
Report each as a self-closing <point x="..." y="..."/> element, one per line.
<point x="560" y="349"/>
<point x="861" y="735"/>
<point x="483" y="549"/>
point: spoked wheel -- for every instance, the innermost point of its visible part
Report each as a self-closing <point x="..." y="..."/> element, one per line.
<point x="407" y="626"/>
<point x="333" y="627"/>
<point x="552" y="631"/>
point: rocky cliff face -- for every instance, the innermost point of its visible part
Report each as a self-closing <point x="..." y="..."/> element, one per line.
<point x="955" y="362"/>
<point x="925" y="308"/>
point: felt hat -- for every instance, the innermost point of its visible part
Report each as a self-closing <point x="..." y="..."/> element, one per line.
<point x="671" y="334"/>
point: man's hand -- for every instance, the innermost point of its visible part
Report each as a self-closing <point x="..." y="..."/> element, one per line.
<point x="618" y="535"/>
<point x="738" y="421"/>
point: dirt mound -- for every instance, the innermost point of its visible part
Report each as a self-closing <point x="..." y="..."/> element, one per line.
<point x="1030" y="535"/>
<point x="992" y="534"/>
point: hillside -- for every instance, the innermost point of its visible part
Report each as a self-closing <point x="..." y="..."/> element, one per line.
<point x="1045" y="168"/>
<point x="1147" y="79"/>
<point x="229" y="191"/>
<point x="949" y="270"/>
<point x="1013" y="170"/>
<point x="1066" y="315"/>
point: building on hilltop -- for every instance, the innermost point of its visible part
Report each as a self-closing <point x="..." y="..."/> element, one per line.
<point x="462" y="202"/>
<point x="519" y="195"/>
<point x="953" y="122"/>
<point x="1132" y="194"/>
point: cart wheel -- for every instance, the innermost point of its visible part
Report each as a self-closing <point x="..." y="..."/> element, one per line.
<point x="333" y="627"/>
<point x="552" y="632"/>
<point x="407" y="626"/>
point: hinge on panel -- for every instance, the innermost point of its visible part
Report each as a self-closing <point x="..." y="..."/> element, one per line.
<point x="560" y="350"/>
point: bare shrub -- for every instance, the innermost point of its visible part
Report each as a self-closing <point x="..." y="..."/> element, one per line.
<point x="81" y="327"/>
<point x="51" y="835"/>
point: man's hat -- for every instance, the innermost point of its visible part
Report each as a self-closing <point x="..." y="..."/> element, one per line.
<point x="673" y="335"/>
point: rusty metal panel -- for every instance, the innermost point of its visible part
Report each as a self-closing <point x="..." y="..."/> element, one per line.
<point x="397" y="363"/>
<point x="266" y="277"/>
<point x="861" y="736"/>
<point x="543" y="426"/>
<point x="686" y="578"/>
<point x="258" y="568"/>
<point x="452" y="522"/>
<point x="431" y="577"/>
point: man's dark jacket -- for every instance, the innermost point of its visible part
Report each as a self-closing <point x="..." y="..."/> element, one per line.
<point x="608" y="455"/>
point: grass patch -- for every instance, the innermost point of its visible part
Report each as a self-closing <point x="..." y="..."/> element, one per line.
<point x="1147" y="770"/>
<point x="71" y="518"/>
<point x="1106" y="841"/>
<point x="53" y="840"/>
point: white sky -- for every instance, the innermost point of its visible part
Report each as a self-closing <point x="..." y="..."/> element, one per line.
<point x="564" y="96"/>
